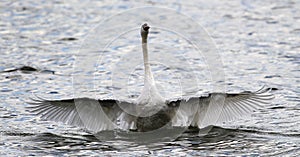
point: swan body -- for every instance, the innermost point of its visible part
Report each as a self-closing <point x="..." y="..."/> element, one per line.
<point x="150" y="111"/>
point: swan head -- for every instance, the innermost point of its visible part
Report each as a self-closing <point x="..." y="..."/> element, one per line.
<point x="144" y="32"/>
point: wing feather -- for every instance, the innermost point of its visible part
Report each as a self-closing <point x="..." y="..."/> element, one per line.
<point x="243" y="104"/>
<point x="219" y="107"/>
<point x="95" y="115"/>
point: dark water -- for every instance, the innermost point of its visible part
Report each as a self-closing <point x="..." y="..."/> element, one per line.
<point x="259" y="42"/>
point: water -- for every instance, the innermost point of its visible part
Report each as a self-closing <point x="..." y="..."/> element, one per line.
<point x="258" y="42"/>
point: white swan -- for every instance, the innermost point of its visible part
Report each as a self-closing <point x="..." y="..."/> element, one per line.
<point x="151" y="111"/>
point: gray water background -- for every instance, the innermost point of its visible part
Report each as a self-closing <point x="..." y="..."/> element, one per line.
<point x="259" y="42"/>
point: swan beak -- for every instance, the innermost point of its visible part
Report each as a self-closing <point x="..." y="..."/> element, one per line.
<point x="145" y="27"/>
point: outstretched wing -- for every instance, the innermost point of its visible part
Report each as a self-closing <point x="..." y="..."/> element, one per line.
<point x="219" y="107"/>
<point x="94" y="115"/>
<point x="242" y="104"/>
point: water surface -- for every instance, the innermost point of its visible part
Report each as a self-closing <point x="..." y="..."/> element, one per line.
<point x="258" y="42"/>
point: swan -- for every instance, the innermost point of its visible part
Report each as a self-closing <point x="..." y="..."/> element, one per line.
<point x="150" y="111"/>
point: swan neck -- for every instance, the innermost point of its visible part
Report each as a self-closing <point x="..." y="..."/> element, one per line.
<point x="148" y="73"/>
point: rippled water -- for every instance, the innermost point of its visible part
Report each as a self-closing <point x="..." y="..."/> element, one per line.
<point x="259" y="42"/>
